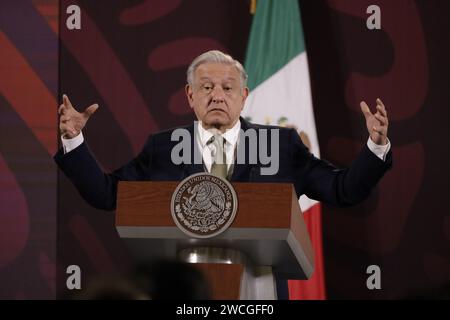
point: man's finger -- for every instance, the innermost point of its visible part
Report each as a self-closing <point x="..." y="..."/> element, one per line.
<point x="382" y="110"/>
<point x="377" y="129"/>
<point x="61" y="109"/>
<point x="381" y="103"/>
<point x="380" y="130"/>
<point x="65" y="128"/>
<point x="64" y="118"/>
<point x="66" y="101"/>
<point x="90" y="110"/>
<point x="383" y="120"/>
<point x="365" y="109"/>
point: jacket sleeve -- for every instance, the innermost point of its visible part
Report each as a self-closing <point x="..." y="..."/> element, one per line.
<point x="321" y="180"/>
<point x="98" y="188"/>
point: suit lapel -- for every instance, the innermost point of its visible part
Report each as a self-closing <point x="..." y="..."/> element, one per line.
<point x="192" y="168"/>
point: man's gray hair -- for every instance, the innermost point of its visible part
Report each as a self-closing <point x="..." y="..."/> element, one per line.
<point x="216" y="56"/>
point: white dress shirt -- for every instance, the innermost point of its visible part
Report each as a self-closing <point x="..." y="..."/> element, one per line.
<point x="230" y="142"/>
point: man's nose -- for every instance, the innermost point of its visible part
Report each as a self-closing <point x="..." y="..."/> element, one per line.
<point x="217" y="95"/>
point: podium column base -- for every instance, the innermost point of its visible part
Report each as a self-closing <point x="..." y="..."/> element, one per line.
<point x="230" y="274"/>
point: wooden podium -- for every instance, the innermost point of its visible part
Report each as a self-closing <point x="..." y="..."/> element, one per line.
<point x="268" y="231"/>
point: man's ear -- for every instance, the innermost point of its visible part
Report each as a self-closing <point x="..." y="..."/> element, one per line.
<point x="245" y="92"/>
<point x="189" y="93"/>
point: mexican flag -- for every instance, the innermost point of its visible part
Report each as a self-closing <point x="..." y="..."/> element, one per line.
<point x="277" y="66"/>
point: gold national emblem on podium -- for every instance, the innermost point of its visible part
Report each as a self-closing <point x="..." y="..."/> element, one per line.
<point x="203" y="205"/>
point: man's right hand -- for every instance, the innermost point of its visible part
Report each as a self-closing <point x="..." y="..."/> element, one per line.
<point x="71" y="122"/>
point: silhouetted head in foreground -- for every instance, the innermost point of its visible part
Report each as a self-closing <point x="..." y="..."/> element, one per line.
<point x="172" y="280"/>
<point x="111" y="288"/>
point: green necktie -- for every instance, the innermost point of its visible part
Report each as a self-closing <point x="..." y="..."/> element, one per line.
<point x="219" y="165"/>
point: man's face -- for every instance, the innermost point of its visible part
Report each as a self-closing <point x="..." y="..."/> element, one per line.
<point x="216" y="95"/>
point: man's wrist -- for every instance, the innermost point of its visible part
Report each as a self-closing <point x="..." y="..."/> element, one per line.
<point x="379" y="150"/>
<point x="72" y="143"/>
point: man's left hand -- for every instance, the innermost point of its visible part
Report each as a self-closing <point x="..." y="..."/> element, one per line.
<point x="377" y="124"/>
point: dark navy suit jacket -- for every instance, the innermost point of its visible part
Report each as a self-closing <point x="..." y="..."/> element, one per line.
<point x="313" y="177"/>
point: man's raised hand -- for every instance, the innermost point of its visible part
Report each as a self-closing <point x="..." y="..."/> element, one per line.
<point x="378" y="123"/>
<point x="71" y="122"/>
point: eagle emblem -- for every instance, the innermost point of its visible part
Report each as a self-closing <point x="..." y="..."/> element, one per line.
<point x="203" y="205"/>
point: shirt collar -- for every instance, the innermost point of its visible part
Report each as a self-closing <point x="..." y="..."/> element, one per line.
<point x="230" y="135"/>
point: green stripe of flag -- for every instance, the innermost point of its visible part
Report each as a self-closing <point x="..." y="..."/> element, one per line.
<point x="276" y="37"/>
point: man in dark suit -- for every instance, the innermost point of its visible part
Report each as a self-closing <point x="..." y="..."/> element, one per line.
<point x="216" y="91"/>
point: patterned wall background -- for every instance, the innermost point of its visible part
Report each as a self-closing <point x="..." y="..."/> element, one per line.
<point x="28" y="128"/>
<point x="404" y="227"/>
<point x="131" y="57"/>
